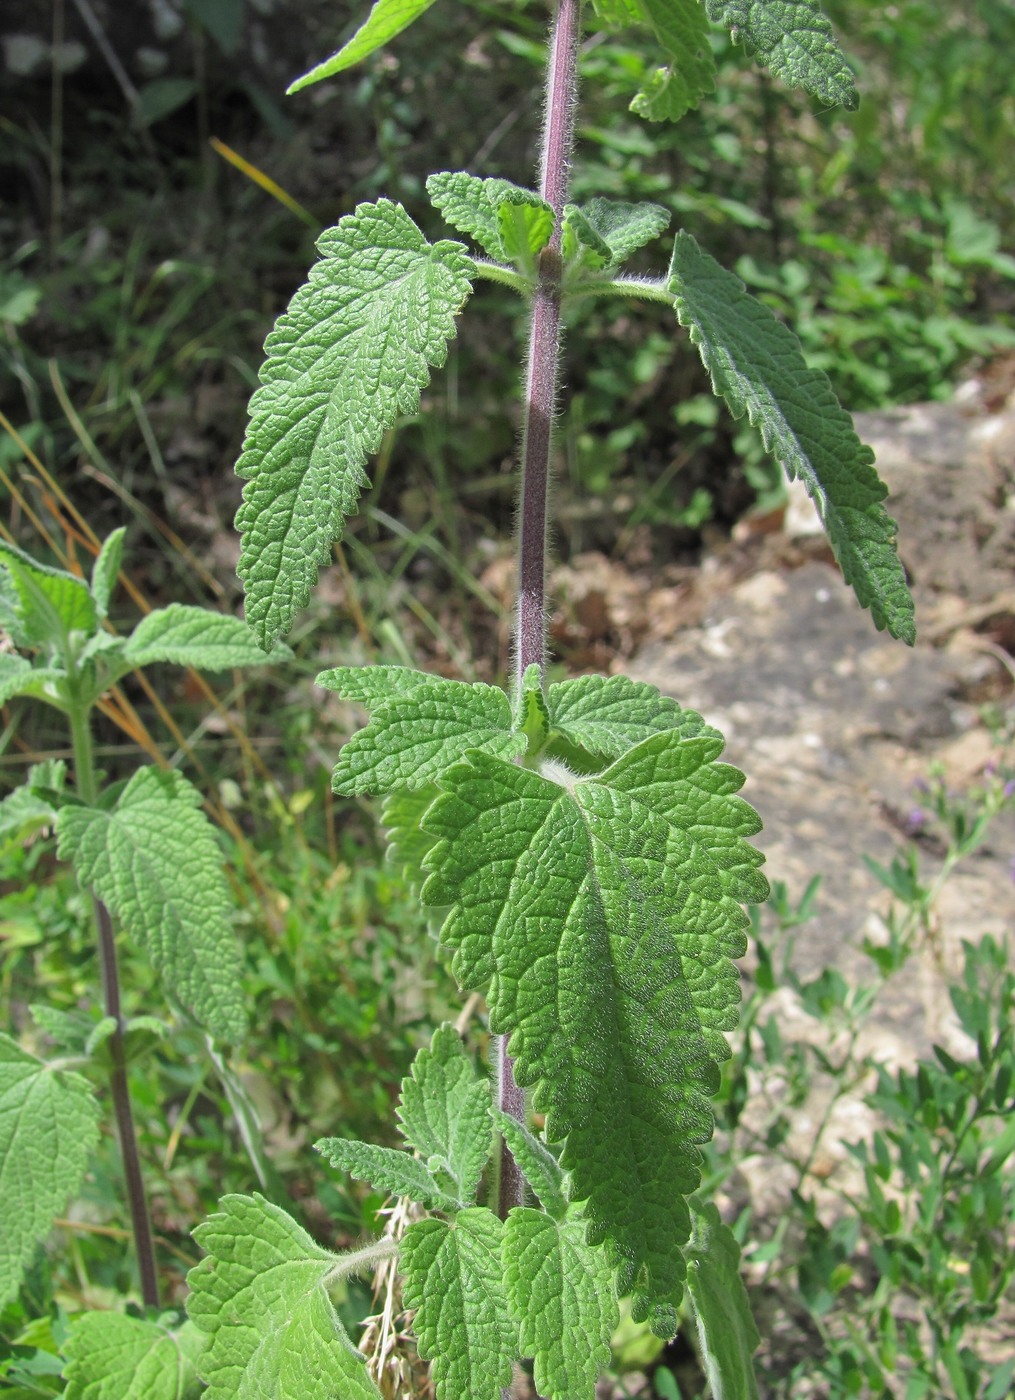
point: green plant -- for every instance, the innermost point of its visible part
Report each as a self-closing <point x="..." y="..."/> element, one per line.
<point x="580" y="844"/>
<point x="149" y="858"/>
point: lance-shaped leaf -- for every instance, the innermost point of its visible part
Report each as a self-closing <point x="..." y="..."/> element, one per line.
<point x="350" y="355"/>
<point x="510" y="223"/>
<point x="681" y="28"/>
<point x="114" y="1357"/>
<point x="536" y="1163"/>
<point x="609" y="715"/>
<point x="106" y="569"/>
<point x="154" y="860"/>
<point x="756" y="364"/>
<point x="49" y="1123"/>
<point x="385" y="20"/>
<point x="792" y="38"/>
<point x="444" y="1112"/>
<point x="48" y="603"/>
<point x="191" y="636"/>
<point x="722" y="1311"/>
<point x="262" y="1298"/>
<point x="388" y="1170"/>
<point x="562" y="1295"/>
<point x="418" y="732"/>
<point x="604" y="913"/>
<point x="452" y="1277"/>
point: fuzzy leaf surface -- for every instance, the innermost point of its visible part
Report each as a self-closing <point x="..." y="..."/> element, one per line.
<point x="722" y="1310"/>
<point x="387" y="1169"/>
<point x="415" y="735"/>
<point x="756" y="365"/>
<point x="385" y="20"/>
<point x="453" y="1278"/>
<point x="792" y="38"/>
<point x="350" y="355"/>
<point x="524" y="219"/>
<point x="198" y="637"/>
<point x="562" y="1295"/>
<point x="260" y="1296"/>
<point x="47" y="602"/>
<point x="610" y="714"/>
<point x="408" y="844"/>
<point x="115" y="1357"/>
<point x="604" y="914"/>
<point x="31" y="807"/>
<point x="371" y="686"/>
<point x="49" y="1124"/>
<point x="536" y="1163"/>
<point x="19" y="677"/>
<point x="462" y="200"/>
<point x="444" y="1112"/>
<point x="105" y="570"/>
<point x="154" y="860"/>
<point x="681" y="28"/>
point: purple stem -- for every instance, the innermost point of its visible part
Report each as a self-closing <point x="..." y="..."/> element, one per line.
<point x="540" y="402"/>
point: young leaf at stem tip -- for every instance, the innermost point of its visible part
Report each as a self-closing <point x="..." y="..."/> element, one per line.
<point x="756" y="364"/>
<point x="350" y="355"/>
<point x="444" y="1111"/>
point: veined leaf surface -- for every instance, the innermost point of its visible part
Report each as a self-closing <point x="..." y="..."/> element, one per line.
<point x="453" y="1278"/>
<point x="49" y="1124"/>
<point x="792" y="38"/>
<point x="445" y="1112"/>
<point x="154" y="860"/>
<point x="756" y="365"/>
<point x="682" y="30"/>
<point x="721" y="1307"/>
<point x="198" y="637"/>
<point x="115" y="1357"/>
<point x="350" y="355"/>
<point x="47" y="603"/>
<point x="604" y="913"/>
<point x="562" y="1295"/>
<point x="262" y="1299"/>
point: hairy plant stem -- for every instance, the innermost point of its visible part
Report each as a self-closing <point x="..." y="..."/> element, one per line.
<point x="144" y="1247"/>
<point x="542" y="374"/>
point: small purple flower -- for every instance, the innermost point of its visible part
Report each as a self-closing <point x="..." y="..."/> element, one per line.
<point x="1009" y="788"/>
<point x="916" y="820"/>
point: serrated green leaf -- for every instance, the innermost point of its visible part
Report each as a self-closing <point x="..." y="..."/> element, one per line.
<point x="105" y="571"/>
<point x="408" y="844"/>
<point x="350" y="355"/>
<point x="49" y="1124"/>
<point x="371" y="686"/>
<point x="198" y="637"/>
<point x="388" y="1170"/>
<point x="387" y="19"/>
<point x="114" y="1357"/>
<point x="444" y="1112"/>
<point x="609" y="715"/>
<point x="536" y="1163"/>
<point x="681" y="28"/>
<point x="792" y="38"/>
<point x="31" y="807"/>
<point x="415" y="735"/>
<point x="68" y="1029"/>
<point x="604" y="914"/>
<point x="154" y="860"/>
<point x="756" y="364"/>
<point x="453" y="1279"/>
<point x="579" y="235"/>
<point x="261" y="1297"/>
<point x="462" y="200"/>
<point x="722" y="1310"/>
<point x="562" y="1296"/>
<point x="49" y="603"/>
